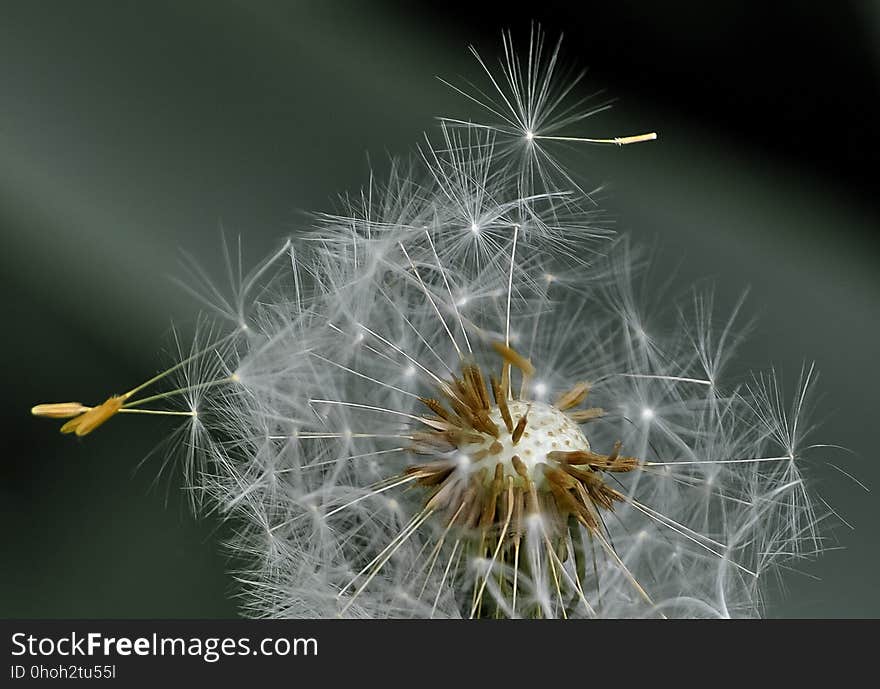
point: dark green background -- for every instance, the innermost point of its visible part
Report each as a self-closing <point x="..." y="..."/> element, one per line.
<point x="132" y="131"/>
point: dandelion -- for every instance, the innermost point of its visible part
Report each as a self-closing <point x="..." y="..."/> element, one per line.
<point x="446" y="400"/>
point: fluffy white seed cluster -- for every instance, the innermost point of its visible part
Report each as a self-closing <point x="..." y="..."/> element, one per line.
<point x="458" y="398"/>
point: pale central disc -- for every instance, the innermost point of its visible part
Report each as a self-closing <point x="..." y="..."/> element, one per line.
<point x="547" y="430"/>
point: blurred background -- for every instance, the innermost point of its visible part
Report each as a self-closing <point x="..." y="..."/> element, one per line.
<point x="131" y="132"/>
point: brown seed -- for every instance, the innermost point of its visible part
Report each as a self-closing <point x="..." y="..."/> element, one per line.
<point x="436" y="407"/>
<point x="436" y="478"/>
<point x="514" y="358"/>
<point x="434" y="472"/>
<point x="582" y="415"/>
<point x="573" y="457"/>
<point x="482" y="422"/>
<point x="460" y="437"/>
<point x="559" y="477"/>
<point x="463" y="411"/>
<point x="520" y="428"/>
<point x="466" y="387"/>
<point x="430" y="442"/>
<point x="90" y="420"/>
<point x="501" y="400"/>
<point x="519" y="467"/>
<point x="505" y="379"/>
<point x="565" y="501"/>
<point x="478" y="383"/>
<point x="59" y="410"/>
<point x="573" y="397"/>
<point x="443" y="495"/>
<point x="436" y="424"/>
<point x="437" y="438"/>
<point x="499" y="473"/>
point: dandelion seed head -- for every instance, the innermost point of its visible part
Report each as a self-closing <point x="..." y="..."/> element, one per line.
<point x="429" y="402"/>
